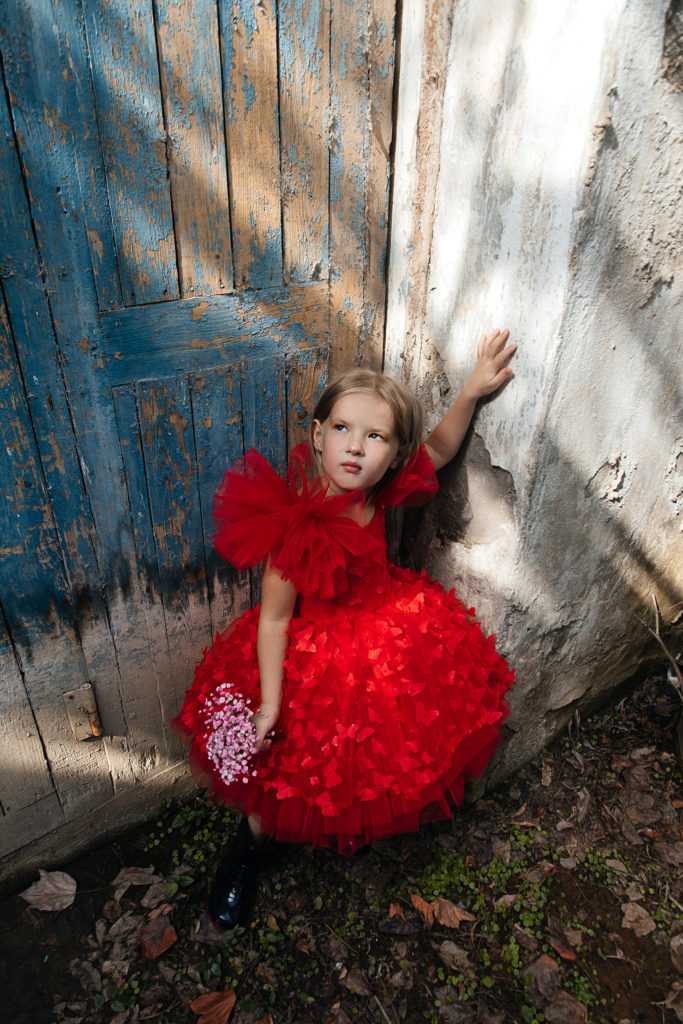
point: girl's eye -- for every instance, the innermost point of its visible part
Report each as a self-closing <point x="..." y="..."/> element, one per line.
<point x="342" y="426"/>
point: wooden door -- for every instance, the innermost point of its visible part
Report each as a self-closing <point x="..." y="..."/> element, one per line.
<point x="194" y="212"/>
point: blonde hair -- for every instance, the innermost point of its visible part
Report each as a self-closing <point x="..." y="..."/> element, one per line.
<point x="406" y="410"/>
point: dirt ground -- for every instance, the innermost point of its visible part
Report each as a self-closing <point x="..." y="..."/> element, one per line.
<point x="558" y="897"/>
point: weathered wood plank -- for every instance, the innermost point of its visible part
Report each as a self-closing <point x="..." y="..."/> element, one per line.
<point x="381" y="48"/>
<point x="190" y="70"/>
<point x="263" y="417"/>
<point x="30" y="823"/>
<point x="349" y="103"/>
<point x="143" y="650"/>
<point x="304" y="96"/>
<point x="165" y="339"/>
<point x="249" y="35"/>
<point x="53" y="843"/>
<point x="122" y="43"/>
<point x="306" y="377"/>
<point x="216" y="409"/>
<point x="36" y="599"/>
<point x="24" y="773"/>
<point x="76" y="434"/>
<point x="166" y="429"/>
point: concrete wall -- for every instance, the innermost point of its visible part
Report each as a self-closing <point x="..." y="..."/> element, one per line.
<point x="538" y="180"/>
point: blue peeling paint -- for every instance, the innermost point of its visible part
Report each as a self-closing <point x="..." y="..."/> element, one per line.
<point x="342" y="59"/>
<point x="266" y="261"/>
<point x="226" y="30"/>
<point x="249" y="93"/>
<point x="247" y="17"/>
<point x="299" y="32"/>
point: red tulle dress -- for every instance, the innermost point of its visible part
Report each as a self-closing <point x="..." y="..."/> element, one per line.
<point x="391" y="693"/>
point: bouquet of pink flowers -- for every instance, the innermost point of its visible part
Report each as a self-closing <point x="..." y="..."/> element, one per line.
<point x="231" y="734"/>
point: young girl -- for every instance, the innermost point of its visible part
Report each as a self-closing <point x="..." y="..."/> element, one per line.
<point x="384" y="690"/>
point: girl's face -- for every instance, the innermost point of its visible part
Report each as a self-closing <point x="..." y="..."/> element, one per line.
<point x="357" y="441"/>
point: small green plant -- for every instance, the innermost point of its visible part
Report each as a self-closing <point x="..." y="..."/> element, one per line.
<point x="197" y="829"/>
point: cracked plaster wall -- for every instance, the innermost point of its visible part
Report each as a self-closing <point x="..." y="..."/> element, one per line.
<point x="538" y="180"/>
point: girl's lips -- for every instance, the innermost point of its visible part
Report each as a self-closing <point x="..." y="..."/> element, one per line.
<point x="350" y="467"/>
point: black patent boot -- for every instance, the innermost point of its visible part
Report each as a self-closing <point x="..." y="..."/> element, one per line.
<point x="233" y="893"/>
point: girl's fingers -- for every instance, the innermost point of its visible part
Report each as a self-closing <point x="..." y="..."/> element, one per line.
<point x="504" y="357"/>
<point x="492" y="342"/>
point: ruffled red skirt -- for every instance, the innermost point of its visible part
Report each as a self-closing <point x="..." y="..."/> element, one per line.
<point x="385" y="712"/>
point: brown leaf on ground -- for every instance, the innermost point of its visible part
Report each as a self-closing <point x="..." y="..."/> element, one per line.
<point x="670" y="853"/>
<point x="637" y="919"/>
<point x="445" y="912"/>
<point x="355" y="982"/>
<point x="539" y="871"/>
<point x="454" y="957"/>
<point x="674" y="1000"/>
<point x="544" y="974"/>
<point x="676" y="948"/>
<point x="116" y="969"/>
<point x="126" y="924"/>
<point x="506" y="900"/>
<point x="163" y="908"/>
<point x="54" y="890"/>
<point x="426" y="909"/>
<point x="156" y="937"/>
<point x="564" y="951"/>
<point x="396" y="910"/>
<point x="574" y="936"/>
<point x="157" y="893"/>
<point x="565" y="1009"/>
<point x="137" y="876"/>
<point x="214" y="1007"/>
<point x="450" y="915"/>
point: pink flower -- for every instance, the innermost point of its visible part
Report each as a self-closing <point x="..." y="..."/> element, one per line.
<point x="231" y="736"/>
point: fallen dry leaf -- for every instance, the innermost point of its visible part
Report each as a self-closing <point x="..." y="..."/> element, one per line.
<point x="355" y="982"/>
<point x="54" y="890"/>
<point x="445" y="912"/>
<point x="214" y="1007"/>
<point x="674" y="1000"/>
<point x="126" y="924"/>
<point x="156" y="937"/>
<point x="396" y="910"/>
<point x="426" y="909"/>
<point x="637" y="919"/>
<point x="449" y="914"/>
<point x="544" y="974"/>
<point x="157" y="893"/>
<point x="564" y="951"/>
<point x="505" y="901"/>
<point x="137" y="876"/>
<point x="676" y="948"/>
<point x="565" y="1009"/>
<point x="454" y="957"/>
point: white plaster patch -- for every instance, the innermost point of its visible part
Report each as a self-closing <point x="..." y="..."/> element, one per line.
<point x="674" y="478"/>
<point x="611" y="482"/>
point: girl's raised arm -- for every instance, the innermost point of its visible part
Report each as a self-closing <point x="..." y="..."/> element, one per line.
<point x="488" y="375"/>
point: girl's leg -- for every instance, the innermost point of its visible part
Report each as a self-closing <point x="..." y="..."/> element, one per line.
<point x="255" y="825"/>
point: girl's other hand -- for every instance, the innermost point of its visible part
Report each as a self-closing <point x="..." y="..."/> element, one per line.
<point x="264" y="722"/>
<point x="491" y="371"/>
